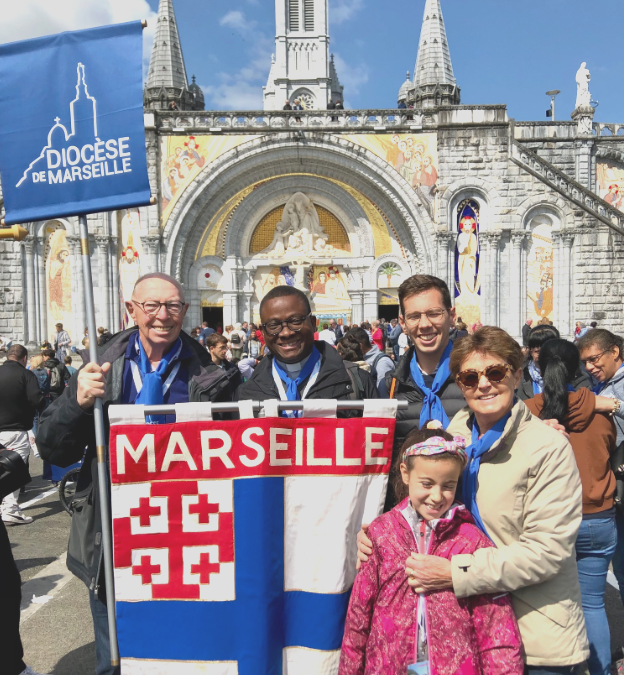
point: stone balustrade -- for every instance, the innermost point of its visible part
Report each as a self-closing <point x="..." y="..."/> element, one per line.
<point x="325" y="120"/>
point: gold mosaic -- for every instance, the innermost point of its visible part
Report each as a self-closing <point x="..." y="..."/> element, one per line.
<point x="263" y="234"/>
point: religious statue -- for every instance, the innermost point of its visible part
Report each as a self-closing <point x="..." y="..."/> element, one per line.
<point x="299" y="231"/>
<point x="467" y="247"/>
<point x="583" y="78"/>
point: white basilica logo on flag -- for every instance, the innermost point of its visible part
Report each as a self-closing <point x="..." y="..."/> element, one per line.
<point x="79" y="146"/>
<point x="66" y="157"/>
<point x="234" y="542"/>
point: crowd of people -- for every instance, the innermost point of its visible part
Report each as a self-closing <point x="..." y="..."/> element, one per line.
<point x="502" y="511"/>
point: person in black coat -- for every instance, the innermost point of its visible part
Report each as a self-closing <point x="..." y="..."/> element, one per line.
<point x="289" y="335"/>
<point x="287" y="105"/>
<point x="421" y="298"/>
<point x="526" y="330"/>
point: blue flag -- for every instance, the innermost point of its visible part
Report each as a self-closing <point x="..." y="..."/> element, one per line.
<point x="72" y="137"/>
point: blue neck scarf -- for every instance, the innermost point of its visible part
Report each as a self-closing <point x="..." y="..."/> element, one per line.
<point x="292" y="390"/>
<point x="536" y="378"/>
<point x="475" y="451"/>
<point x="152" y="390"/>
<point x="601" y="385"/>
<point x="432" y="406"/>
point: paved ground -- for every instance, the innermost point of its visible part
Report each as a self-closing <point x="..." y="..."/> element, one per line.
<point x="58" y="635"/>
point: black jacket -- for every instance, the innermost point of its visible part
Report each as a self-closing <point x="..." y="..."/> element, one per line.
<point x="65" y="429"/>
<point x="63" y="376"/>
<point x="526" y="330"/>
<point x="407" y="390"/>
<point x="333" y="381"/>
<point x="525" y="390"/>
<point x="20" y="397"/>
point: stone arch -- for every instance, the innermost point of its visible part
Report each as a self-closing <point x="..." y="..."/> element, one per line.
<point x="474" y="188"/>
<point x="544" y="205"/>
<point x="373" y="272"/>
<point x="266" y="157"/>
<point x="276" y="192"/>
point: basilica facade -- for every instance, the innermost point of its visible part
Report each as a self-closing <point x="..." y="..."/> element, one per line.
<point x="522" y="219"/>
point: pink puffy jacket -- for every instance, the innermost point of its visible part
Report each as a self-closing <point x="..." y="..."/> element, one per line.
<point x="471" y="636"/>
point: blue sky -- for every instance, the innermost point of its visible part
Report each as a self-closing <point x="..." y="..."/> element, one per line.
<point x="502" y="51"/>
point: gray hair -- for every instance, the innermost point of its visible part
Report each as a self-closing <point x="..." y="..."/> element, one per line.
<point x="163" y="277"/>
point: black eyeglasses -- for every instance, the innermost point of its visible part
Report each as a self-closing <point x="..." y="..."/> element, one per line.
<point x="494" y="374"/>
<point x="151" y="307"/>
<point x="295" y="323"/>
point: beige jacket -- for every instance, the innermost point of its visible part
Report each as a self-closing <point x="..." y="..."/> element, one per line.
<point x="529" y="497"/>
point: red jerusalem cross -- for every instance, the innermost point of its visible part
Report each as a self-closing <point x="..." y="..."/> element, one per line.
<point x="145" y="512"/>
<point x="176" y="539"/>
<point x="146" y="570"/>
<point x="203" y="509"/>
<point x="205" y="568"/>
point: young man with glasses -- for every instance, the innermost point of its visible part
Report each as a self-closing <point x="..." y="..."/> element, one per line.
<point x="153" y="362"/>
<point x="299" y="367"/>
<point x="602" y="354"/>
<point x="422" y="376"/>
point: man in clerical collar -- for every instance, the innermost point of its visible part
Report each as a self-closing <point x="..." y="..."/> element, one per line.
<point x="298" y="367"/>
<point x="422" y="376"/>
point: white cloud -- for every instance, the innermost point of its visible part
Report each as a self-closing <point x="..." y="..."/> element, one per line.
<point x="343" y="10"/>
<point x="35" y="18"/>
<point x="238" y="21"/>
<point x="243" y="90"/>
<point x="351" y="77"/>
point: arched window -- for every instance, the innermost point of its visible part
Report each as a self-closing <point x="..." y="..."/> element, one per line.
<point x="467" y="258"/>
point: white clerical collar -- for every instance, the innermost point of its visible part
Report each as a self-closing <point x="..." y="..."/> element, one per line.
<point x="293" y="369"/>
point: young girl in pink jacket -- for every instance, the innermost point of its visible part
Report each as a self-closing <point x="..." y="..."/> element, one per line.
<point x="390" y="628"/>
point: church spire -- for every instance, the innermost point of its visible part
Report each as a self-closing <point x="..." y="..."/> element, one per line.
<point x="434" y="81"/>
<point x="167" y="83"/>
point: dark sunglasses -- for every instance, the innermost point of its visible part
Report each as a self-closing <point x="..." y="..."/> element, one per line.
<point x="495" y="374"/>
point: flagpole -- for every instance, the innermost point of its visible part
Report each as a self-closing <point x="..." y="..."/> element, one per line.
<point x="100" y="444"/>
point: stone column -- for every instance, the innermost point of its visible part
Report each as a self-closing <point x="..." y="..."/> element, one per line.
<point x="153" y="243"/>
<point x="518" y="274"/>
<point x="31" y="303"/>
<point x="42" y="296"/>
<point x="566" y="292"/>
<point x="104" y="312"/>
<point x="444" y="241"/>
<point x="370" y="301"/>
<point x="116" y="309"/>
<point x="490" y="305"/>
<point x="78" y="302"/>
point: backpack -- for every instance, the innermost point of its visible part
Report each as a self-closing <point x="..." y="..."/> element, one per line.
<point x="43" y="379"/>
<point x="373" y="372"/>
<point x="56" y="379"/>
<point x="235" y="338"/>
<point x="353" y="371"/>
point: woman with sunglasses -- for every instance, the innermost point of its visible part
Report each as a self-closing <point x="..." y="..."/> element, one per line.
<point x="592" y="436"/>
<point x="523" y="488"/>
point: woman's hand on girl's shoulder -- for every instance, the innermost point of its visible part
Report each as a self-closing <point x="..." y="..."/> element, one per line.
<point x="365" y="546"/>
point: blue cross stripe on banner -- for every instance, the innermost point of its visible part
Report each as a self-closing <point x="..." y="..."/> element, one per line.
<point x="263" y="620"/>
<point x="72" y="136"/>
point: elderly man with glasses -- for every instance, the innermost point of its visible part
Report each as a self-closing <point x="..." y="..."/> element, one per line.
<point x="298" y="366"/>
<point x="153" y="362"/>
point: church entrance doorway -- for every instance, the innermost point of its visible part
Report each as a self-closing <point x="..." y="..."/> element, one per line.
<point x="387" y="312"/>
<point x="213" y="315"/>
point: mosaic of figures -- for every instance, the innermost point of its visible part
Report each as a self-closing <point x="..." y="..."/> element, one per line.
<point x="58" y="274"/>
<point x="414" y="156"/>
<point x="610" y="183"/>
<point x="326" y="284"/>
<point x="467" y="259"/>
<point x="130" y="257"/>
<point x="540" y="274"/>
<point x="183" y="157"/>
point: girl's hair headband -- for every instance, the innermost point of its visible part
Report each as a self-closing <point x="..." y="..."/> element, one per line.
<point x="438" y="446"/>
